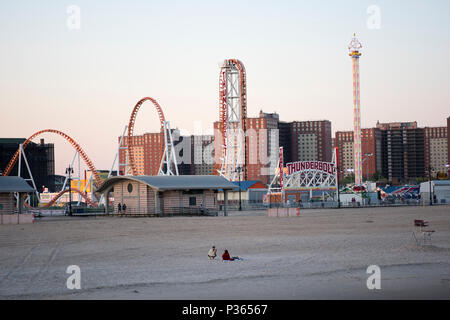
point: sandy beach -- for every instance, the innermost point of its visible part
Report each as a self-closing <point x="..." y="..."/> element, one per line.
<point x="323" y="254"/>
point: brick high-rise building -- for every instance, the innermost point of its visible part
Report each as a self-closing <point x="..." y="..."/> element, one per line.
<point x="148" y="150"/>
<point x="196" y="154"/>
<point x="403" y="151"/>
<point x="436" y="150"/>
<point x="311" y="140"/>
<point x="285" y="140"/>
<point x="203" y="150"/>
<point x="344" y="142"/>
<point x="448" y="147"/>
<point x="262" y="146"/>
<point x="371" y="149"/>
<point x="396" y="125"/>
<point x="263" y="153"/>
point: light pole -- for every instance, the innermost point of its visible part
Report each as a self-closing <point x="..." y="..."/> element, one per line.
<point x="367" y="157"/>
<point x="69" y="170"/>
<point x="338" y="195"/>
<point x="429" y="179"/>
<point x="360" y="190"/>
<point x="239" y="169"/>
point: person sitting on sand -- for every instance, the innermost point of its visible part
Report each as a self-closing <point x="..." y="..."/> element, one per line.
<point x="226" y="256"/>
<point x="212" y="254"/>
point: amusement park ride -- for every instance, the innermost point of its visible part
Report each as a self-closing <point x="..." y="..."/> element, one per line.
<point x="304" y="176"/>
<point x="297" y="176"/>
<point x="354" y="48"/>
<point x="232" y="118"/>
<point x="314" y="175"/>
<point x="168" y="160"/>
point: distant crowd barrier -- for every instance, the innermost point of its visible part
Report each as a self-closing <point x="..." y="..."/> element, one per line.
<point x="16" y="218"/>
<point x="283" y="212"/>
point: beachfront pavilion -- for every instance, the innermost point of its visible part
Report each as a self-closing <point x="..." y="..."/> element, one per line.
<point x="9" y="186"/>
<point x="165" y="195"/>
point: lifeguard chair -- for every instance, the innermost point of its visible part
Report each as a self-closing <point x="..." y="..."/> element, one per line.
<point x="422" y="235"/>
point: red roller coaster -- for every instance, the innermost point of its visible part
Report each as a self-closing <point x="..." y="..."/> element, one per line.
<point x="131" y="128"/>
<point x="76" y="146"/>
<point x="232" y="116"/>
<point x="55" y="198"/>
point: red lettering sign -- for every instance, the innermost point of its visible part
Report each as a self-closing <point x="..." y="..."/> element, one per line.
<point x="327" y="167"/>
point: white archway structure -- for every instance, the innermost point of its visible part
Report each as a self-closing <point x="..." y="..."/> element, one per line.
<point x="306" y="176"/>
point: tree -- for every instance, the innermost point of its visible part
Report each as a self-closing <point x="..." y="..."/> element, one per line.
<point x="348" y="179"/>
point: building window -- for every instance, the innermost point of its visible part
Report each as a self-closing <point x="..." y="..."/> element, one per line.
<point x="192" y="201"/>
<point x="130" y="188"/>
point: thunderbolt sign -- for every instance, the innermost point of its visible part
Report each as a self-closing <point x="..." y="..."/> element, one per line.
<point x="327" y="167"/>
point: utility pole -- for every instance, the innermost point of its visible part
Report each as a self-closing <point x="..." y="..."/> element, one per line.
<point x="367" y="166"/>
<point x="69" y="170"/>
<point x="429" y="177"/>
<point x="239" y="169"/>
<point x="338" y="195"/>
<point x="338" y="171"/>
<point x="367" y="177"/>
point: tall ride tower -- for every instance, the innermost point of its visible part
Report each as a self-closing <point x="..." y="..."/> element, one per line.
<point x="354" y="48"/>
<point x="233" y="118"/>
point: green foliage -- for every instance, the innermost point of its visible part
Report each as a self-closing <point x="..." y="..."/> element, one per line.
<point x="347" y="179"/>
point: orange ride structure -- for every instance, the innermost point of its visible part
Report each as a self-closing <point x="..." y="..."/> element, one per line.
<point x="55" y="198"/>
<point x="168" y="159"/>
<point x="354" y="52"/>
<point x="232" y="120"/>
<point x="76" y="146"/>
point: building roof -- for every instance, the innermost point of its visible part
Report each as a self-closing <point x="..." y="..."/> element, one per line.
<point x="251" y="184"/>
<point x="14" y="184"/>
<point x="441" y="182"/>
<point x="12" y="140"/>
<point x="185" y="182"/>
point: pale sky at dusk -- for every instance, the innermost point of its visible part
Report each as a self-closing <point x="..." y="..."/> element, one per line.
<point x="86" y="81"/>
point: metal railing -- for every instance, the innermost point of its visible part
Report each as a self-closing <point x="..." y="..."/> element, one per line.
<point x="219" y="211"/>
<point x="167" y="212"/>
<point x="331" y="204"/>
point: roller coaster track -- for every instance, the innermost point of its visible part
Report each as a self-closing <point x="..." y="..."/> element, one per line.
<point x="53" y="200"/>
<point x="131" y="129"/>
<point x="223" y="106"/>
<point x="77" y="147"/>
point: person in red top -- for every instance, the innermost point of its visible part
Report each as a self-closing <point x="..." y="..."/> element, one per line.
<point x="226" y="256"/>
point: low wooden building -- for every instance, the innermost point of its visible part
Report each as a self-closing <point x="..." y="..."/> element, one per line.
<point x="164" y="195"/>
<point x="252" y="191"/>
<point x="10" y="210"/>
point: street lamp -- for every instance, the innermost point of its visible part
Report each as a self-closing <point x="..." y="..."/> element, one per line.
<point x="239" y="169"/>
<point x="69" y="170"/>
<point x="364" y="160"/>
<point x="429" y="180"/>
<point x="352" y="170"/>
<point x="338" y="195"/>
